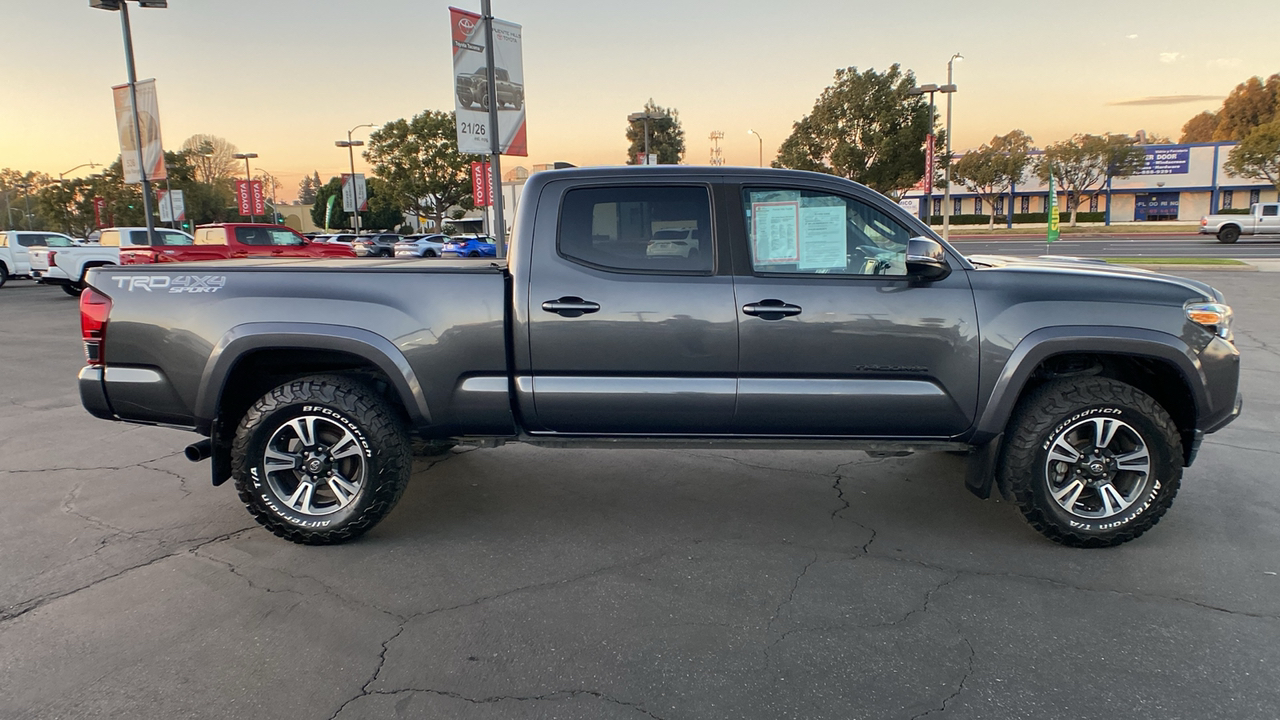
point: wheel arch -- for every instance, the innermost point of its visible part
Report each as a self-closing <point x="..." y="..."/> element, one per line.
<point x="1159" y="364"/>
<point x="300" y="349"/>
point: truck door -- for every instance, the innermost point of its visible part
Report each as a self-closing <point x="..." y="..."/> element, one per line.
<point x="1268" y="221"/>
<point x="630" y="332"/>
<point x="834" y="339"/>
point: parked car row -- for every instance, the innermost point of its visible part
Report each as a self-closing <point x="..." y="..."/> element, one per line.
<point x="57" y="259"/>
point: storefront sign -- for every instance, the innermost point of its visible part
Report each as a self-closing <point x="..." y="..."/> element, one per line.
<point x="1166" y="160"/>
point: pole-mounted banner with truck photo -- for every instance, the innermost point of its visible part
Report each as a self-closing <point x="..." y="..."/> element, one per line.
<point x="471" y="84"/>
<point x="149" y="118"/>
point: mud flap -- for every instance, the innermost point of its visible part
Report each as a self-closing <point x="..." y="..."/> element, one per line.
<point x="981" y="472"/>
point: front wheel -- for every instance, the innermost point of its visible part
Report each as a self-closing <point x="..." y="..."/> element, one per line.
<point x="1228" y="234"/>
<point x="320" y="460"/>
<point x="1092" y="462"/>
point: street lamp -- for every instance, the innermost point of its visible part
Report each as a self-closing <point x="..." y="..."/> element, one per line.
<point x="753" y="132"/>
<point x="26" y="196"/>
<point x="946" y="202"/>
<point x="123" y="7"/>
<point x="646" y="116"/>
<point x="246" y="157"/>
<point x="350" y="144"/>
<point x="62" y="180"/>
<point x="930" y="144"/>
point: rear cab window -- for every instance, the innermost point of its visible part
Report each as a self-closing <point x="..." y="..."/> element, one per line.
<point x="661" y="229"/>
<point x="211" y="236"/>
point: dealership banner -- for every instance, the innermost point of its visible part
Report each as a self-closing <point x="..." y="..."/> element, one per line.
<point x="355" y="193"/>
<point x="173" y="207"/>
<point x="152" y="156"/>
<point x="481" y="183"/>
<point x="99" y="212"/>
<point x="244" y="198"/>
<point x="471" y="84"/>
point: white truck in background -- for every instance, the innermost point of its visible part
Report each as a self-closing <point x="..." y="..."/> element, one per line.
<point x="66" y="266"/>
<point x="16" y="247"/>
<point x="1263" y="219"/>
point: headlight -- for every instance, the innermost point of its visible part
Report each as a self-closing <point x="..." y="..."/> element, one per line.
<point x="1215" y="316"/>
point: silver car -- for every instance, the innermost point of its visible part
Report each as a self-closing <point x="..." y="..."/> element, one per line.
<point x="420" y="246"/>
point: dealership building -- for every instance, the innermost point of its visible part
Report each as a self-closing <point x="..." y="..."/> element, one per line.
<point x="1177" y="183"/>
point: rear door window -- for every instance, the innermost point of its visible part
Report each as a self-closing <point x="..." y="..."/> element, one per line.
<point x="1270" y="210"/>
<point x="638" y="228"/>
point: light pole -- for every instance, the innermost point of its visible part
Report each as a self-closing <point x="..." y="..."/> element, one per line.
<point x="123" y="7"/>
<point x="248" y="178"/>
<point x="350" y="144"/>
<point x="62" y="186"/>
<point x="946" y="202"/>
<point x="646" y="116"/>
<point x="753" y="132"/>
<point x="26" y="198"/>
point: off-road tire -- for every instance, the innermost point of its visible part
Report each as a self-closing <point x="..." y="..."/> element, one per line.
<point x="1229" y="234"/>
<point x="1052" y="409"/>
<point x="343" y="402"/>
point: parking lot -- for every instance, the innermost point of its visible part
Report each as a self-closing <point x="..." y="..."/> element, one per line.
<point x="521" y="582"/>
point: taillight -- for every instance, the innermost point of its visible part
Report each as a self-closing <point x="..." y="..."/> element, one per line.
<point x="53" y="254"/>
<point x="94" y="309"/>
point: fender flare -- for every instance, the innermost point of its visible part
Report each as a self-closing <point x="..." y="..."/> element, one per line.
<point x="1047" y="342"/>
<point x="246" y="338"/>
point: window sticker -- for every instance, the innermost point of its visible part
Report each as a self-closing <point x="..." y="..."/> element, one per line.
<point x="774" y="227"/>
<point x="822" y="238"/>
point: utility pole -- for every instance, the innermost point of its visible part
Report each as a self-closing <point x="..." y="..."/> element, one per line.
<point x="495" y="154"/>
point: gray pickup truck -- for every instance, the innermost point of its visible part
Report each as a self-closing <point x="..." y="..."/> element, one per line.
<point x="1263" y="219"/>
<point x="814" y="314"/>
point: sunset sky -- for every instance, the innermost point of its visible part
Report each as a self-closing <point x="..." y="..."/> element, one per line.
<point x="285" y="78"/>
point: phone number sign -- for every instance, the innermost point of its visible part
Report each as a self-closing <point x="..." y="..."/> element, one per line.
<point x="1166" y="161"/>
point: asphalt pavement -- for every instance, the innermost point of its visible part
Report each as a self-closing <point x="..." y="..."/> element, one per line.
<point x="521" y="582"/>
<point x="1135" y="245"/>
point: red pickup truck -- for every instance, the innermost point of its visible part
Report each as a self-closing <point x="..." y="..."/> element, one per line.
<point x="235" y="240"/>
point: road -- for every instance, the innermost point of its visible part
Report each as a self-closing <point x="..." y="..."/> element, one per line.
<point x="1136" y="245"/>
<point x="521" y="582"/>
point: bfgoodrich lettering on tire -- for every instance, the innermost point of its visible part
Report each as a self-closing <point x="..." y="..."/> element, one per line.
<point x="1092" y="462"/>
<point x="320" y="460"/>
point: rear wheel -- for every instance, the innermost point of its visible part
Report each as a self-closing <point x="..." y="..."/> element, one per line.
<point x="320" y="460"/>
<point x="428" y="253"/>
<point x="1229" y="234"/>
<point x="1092" y="462"/>
<point x="4" y="275"/>
<point x="74" y="289"/>
<point x="474" y="253"/>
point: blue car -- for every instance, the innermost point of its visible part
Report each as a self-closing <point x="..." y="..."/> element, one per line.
<point x="469" y="246"/>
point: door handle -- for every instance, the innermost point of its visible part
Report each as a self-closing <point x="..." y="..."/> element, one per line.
<point x="770" y="309"/>
<point x="570" y="306"/>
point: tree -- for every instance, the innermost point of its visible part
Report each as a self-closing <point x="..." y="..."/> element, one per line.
<point x="1251" y="104"/>
<point x="1258" y="155"/>
<point x="864" y="127"/>
<point x="419" y="161"/>
<point x="1082" y="164"/>
<point x="212" y="157"/>
<point x="1200" y="128"/>
<point x="993" y="168"/>
<point x="666" y="136"/>
<point x="307" y="189"/>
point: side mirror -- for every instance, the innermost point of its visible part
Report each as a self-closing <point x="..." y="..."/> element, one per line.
<point x="926" y="260"/>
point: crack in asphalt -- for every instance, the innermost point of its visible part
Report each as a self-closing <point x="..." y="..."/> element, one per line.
<point x="91" y="469"/>
<point x="963" y="679"/>
<point x="1070" y="586"/>
<point x="404" y="622"/>
<point x="556" y="696"/>
<point x="1241" y="447"/>
<point x="18" y="610"/>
